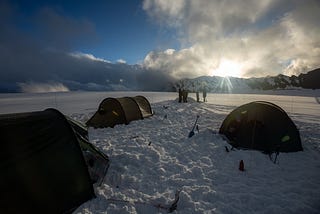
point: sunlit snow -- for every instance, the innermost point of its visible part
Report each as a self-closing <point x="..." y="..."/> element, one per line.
<point x="152" y="158"/>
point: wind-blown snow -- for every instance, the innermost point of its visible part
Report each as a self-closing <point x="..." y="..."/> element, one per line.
<point x="152" y="158"/>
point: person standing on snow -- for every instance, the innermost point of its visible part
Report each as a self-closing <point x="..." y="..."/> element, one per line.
<point x="197" y="95"/>
<point x="204" y="94"/>
<point x="180" y="95"/>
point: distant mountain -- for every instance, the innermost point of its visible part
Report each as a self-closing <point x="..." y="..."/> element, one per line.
<point x="105" y="76"/>
<point x="309" y="80"/>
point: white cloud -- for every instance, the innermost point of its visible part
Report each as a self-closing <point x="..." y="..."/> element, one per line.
<point x="261" y="37"/>
<point x="170" y="12"/>
<point x="121" y="61"/>
<point x="32" y="87"/>
<point x="81" y="55"/>
<point x="185" y="63"/>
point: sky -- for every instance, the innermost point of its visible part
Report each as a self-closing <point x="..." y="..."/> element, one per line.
<point x="92" y="44"/>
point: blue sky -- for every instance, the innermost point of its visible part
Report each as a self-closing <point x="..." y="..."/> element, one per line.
<point x="121" y="29"/>
<point x="80" y="44"/>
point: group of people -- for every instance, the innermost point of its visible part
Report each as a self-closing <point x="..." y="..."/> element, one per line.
<point x="204" y="95"/>
<point x="183" y="95"/>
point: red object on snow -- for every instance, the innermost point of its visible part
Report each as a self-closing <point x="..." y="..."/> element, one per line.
<point x="241" y="166"/>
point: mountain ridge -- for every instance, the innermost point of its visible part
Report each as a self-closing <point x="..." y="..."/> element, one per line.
<point x="124" y="77"/>
<point x="310" y="80"/>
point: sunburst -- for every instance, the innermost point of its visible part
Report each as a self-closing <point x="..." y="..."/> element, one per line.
<point x="227" y="68"/>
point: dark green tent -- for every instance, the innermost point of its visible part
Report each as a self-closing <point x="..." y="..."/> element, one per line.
<point x="97" y="162"/>
<point x="261" y="126"/>
<point x="123" y="110"/>
<point x="43" y="168"/>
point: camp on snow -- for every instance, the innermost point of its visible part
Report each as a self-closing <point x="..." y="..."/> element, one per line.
<point x="47" y="163"/>
<point x="123" y="110"/>
<point x="261" y="126"/>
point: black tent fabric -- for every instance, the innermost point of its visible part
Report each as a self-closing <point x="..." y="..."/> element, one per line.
<point x="123" y="110"/>
<point x="42" y="167"/>
<point x="261" y="126"/>
<point x="97" y="162"/>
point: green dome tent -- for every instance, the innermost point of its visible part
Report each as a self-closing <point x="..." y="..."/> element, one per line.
<point x="261" y="126"/>
<point x="123" y="110"/>
<point x="47" y="164"/>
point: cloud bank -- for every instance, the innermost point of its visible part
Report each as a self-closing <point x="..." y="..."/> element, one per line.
<point x="258" y="37"/>
<point x="41" y="56"/>
<point x="32" y="87"/>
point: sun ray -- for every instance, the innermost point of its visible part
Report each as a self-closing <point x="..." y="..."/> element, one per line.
<point x="225" y="84"/>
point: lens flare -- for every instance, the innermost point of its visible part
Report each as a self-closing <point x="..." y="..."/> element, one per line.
<point x="227" y="68"/>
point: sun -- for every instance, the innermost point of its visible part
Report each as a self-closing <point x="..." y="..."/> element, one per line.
<point x="227" y="68"/>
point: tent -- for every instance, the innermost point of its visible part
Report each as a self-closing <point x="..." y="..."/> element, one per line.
<point x="123" y="110"/>
<point x="97" y="162"/>
<point x="261" y="126"/>
<point x="43" y="166"/>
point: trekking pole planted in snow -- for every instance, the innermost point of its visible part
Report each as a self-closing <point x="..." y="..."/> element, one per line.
<point x="174" y="205"/>
<point x="191" y="133"/>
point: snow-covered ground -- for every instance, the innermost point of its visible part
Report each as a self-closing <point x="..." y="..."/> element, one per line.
<point x="153" y="158"/>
